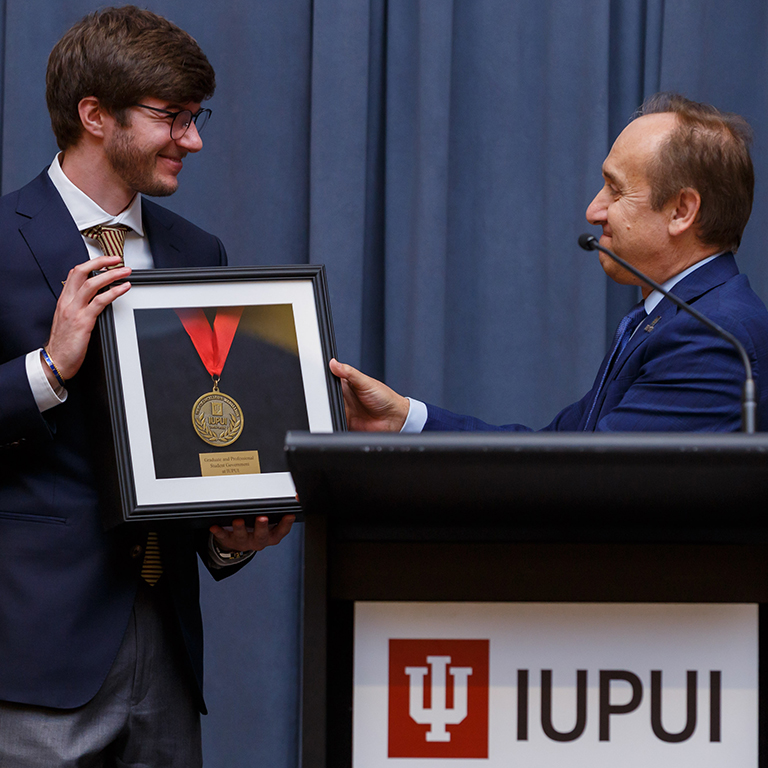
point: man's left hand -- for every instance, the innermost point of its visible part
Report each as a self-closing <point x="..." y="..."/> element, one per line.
<point x="243" y="539"/>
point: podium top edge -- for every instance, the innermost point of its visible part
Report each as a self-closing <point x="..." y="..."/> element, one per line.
<point x="569" y="442"/>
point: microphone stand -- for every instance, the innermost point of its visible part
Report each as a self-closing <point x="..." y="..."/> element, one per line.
<point x="748" y="403"/>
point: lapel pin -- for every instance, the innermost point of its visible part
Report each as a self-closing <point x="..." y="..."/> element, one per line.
<point x="648" y="328"/>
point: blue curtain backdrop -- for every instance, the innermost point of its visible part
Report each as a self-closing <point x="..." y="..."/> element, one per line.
<point x="437" y="156"/>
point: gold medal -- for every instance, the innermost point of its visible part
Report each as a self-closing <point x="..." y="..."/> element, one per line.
<point x="217" y="418"/>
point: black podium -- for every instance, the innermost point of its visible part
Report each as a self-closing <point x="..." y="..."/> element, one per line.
<point x="516" y="517"/>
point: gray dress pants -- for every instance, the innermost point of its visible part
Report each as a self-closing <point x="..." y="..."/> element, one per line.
<point x="144" y="715"/>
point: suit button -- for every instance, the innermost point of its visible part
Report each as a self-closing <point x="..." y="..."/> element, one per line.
<point x="136" y="551"/>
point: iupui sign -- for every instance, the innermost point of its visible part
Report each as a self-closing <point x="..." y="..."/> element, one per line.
<point x="543" y="684"/>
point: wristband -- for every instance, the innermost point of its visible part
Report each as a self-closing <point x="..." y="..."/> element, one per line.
<point x="53" y="367"/>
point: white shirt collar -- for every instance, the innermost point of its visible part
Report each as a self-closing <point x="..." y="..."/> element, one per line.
<point x="656" y="296"/>
<point x="85" y="211"/>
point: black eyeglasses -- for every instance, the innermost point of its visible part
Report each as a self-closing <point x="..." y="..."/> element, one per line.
<point x="182" y="120"/>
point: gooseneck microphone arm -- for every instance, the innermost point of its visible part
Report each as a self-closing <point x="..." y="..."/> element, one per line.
<point x="748" y="403"/>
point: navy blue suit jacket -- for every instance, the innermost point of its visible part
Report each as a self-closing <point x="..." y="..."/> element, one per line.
<point x="66" y="586"/>
<point x="675" y="375"/>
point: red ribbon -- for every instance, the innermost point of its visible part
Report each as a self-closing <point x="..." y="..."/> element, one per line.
<point x="212" y="344"/>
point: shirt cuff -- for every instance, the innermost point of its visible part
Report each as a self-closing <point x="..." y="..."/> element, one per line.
<point x="416" y="418"/>
<point x="45" y="395"/>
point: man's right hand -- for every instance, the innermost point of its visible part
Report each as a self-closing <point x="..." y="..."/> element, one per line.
<point x="80" y="303"/>
<point x="371" y="405"/>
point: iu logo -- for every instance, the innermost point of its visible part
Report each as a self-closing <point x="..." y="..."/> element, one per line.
<point x="438" y="698"/>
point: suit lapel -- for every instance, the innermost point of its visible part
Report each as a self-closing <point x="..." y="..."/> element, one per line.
<point x="644" y="330"/>
<point x="652" y="322"/>
<point x="49" y="231"/>
<point x="689" y="289"/>
<point x="178" y="244"/>
<point x="167" y="249"/>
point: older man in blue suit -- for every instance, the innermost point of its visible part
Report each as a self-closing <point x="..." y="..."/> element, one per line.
<point x="677" y="195"/>
<point x="100" y="664"/>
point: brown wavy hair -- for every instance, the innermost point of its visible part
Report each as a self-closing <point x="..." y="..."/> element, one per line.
<point x="122" y="55"/>
<point x="708" y="150"/>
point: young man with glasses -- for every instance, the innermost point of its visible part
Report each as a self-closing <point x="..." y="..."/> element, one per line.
<point x="96" y="661"/>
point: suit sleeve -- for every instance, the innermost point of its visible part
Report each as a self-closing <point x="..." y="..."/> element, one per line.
<point x="440" y="420"/>
<point x="20" y="418"/>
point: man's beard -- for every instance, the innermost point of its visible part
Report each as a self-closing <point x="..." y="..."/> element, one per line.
<point x="136" y="167"/>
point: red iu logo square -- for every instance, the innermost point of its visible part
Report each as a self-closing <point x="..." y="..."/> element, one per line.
<point x="438" y="698"/>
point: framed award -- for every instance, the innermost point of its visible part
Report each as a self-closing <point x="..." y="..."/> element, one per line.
<point x="206" y="370"/>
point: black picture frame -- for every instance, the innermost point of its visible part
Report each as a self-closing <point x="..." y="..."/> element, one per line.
<point x="278" y="365"/>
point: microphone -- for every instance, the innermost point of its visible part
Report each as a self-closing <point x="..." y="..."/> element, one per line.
<point x="748" y="403"/>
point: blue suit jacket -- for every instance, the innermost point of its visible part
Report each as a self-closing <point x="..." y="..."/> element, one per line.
<point x="66" y="586"/>
<point x="675" y="375"/>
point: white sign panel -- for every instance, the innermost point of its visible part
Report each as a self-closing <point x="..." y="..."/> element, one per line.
<point x="537" y="685"/>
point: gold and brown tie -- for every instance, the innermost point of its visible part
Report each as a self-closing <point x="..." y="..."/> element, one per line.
<point x="110" y="237"/>
<point x="152" y="567"/>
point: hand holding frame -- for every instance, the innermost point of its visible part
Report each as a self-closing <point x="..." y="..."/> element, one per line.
<point x="370" y="404"/>
<point x="81" y="302"/>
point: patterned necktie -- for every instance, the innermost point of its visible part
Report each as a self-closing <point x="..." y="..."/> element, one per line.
<point x="620" y="340"/>
<point x="111" y="238"/>
<point x="152" y="567"/>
